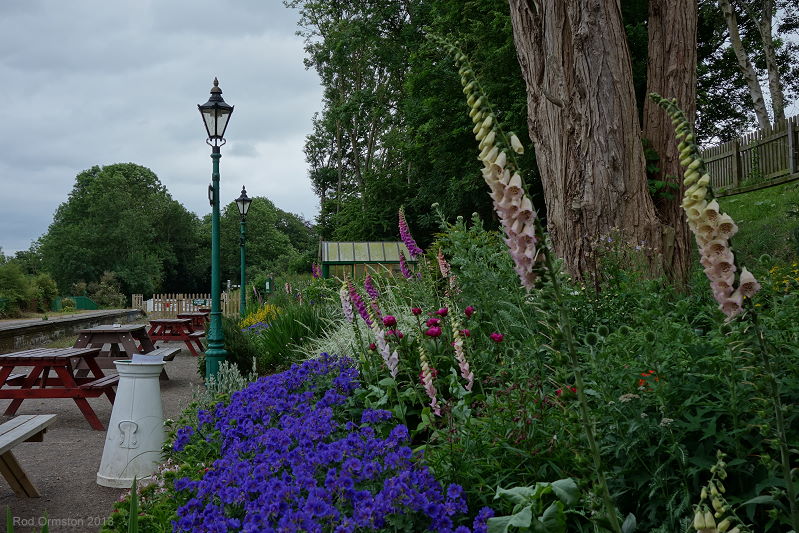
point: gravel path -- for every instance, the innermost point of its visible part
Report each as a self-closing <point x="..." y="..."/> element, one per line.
<point x="64" y="466"/>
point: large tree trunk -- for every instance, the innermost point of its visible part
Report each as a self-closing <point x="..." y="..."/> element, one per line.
<point x="584" y="124"/>
<point x="745" y="65"/>
<point x="671" y="72"/>
<point x="774" y="83"/>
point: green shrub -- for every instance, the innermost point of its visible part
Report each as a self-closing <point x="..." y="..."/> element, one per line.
<point x="68" y="304"/>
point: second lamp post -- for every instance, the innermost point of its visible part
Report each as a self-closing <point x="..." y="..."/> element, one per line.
<point x="243" y="203"/>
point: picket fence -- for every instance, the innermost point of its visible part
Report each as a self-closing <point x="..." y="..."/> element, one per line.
<point x="169" y="305"/>
<point x="759" y="159"/>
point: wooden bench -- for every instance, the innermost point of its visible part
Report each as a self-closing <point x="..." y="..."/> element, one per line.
<point x="167" y="353"/>
<point x="23" y="428"/>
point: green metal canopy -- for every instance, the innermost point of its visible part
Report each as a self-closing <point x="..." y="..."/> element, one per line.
<point x="358" y="258"/>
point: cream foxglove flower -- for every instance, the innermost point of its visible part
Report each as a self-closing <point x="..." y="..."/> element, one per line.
<point x="726" y="226"/>
<point x="712" y="210"/>
<point x="516" y="144"/>
<point x="747" y="283"/>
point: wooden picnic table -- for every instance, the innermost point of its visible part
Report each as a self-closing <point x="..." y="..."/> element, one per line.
<point x="36" y="381"/>
<point x="177" y="329"/>
<point x="123" y="340"/>
<point x="198" y="319"/>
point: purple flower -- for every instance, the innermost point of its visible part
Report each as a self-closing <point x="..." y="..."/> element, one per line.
<point x="406" y="272"/>
<point x="288" y="460"/>
<point x="368" y="284"/>
<point x="316" y="272"/>
<point x="359" y="303"/>
<point x="405" y="235"/>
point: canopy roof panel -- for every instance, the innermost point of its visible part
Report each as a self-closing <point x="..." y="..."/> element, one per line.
<point x="363" y="252"/>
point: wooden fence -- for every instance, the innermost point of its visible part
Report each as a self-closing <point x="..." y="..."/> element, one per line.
<point x="169" y="305"/>
<point x="758" y="159"/>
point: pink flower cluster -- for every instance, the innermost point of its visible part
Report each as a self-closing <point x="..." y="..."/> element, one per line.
<point x="405" y="235"/>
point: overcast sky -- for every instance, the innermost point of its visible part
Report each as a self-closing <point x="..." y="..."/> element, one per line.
<point x="97" y="82"/>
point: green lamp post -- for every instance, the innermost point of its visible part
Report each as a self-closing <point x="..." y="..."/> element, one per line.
<point x="243" y="203"/>
<point x="216" y="114"/>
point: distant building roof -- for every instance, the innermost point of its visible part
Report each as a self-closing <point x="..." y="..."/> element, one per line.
<point x="362" y="252"/>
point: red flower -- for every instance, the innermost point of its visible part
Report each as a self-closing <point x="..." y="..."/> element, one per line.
<point x="466" y="332"/>
<point x="442" y="312"/>
<point x="433" y="322"/>
<point x="497" y="337"/>
<point x="469" y="311"/>
<point x="372" y="346"/>
<point x="416" y="310"/>
<point x="433" y="332"/>
<point x="560" y="392"/>
<point x="389" y="321"/>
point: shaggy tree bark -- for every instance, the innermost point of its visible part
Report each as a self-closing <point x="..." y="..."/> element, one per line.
<point x="774" y="82"/>
<point x="745" y="65"/>
<point x="583" y="122"/>
<point x="671" y="72"/>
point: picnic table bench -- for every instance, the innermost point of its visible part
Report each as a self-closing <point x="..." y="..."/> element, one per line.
<point x="177" y="329"/>
<point x="123" y="340"/>
<point x="198" y="319"/>
<point x="23" y="428"/>
<point x="37" y="382"/>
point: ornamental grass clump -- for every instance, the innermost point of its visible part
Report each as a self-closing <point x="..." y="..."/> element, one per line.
<point x="712" y="228"/>
<point x="290" y="461"/>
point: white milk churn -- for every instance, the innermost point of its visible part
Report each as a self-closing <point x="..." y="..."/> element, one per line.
<point x="136" y="430"/>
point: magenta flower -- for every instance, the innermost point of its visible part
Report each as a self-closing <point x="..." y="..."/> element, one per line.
<point x="434" y="331"/>
<point x="389" y="321"/>
<point x="442" y="312"/>
<point x="372" y="346"/>
<point x="469" y="311"/>
<point x="316" y="272"/>
<point x="359" y="304"/>
<point x="466" y="333"/>
<point x="416" y="311"/>
<point x="433" y="322"/>
<point x="497" y="337"/>
<point x="368" y="284"/>
<point x="405" y="235"/>
<point x="406" y="272"/>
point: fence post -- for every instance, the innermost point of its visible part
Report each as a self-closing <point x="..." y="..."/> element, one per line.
<point x="735" y="146"/>
<point x="792" y="155"/>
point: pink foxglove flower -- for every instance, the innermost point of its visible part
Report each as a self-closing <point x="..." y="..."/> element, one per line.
<point x="406" y="272"/>
<point x="427" y="381"/>
<point x="359" y="304"/>
<point x="368" y="284"/>
<point x="316" y="272"/>
<point x="405" y="235"/>
<point x="443" y="265"/>
<point x="346" y="306"/>
<point x="460" y="353"/>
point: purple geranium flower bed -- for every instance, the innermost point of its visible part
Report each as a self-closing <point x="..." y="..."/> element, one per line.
<point x="291" y="461"/>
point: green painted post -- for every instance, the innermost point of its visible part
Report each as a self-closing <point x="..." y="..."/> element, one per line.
<point x="243" y="289"/>
<point x="215" y="353"/>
